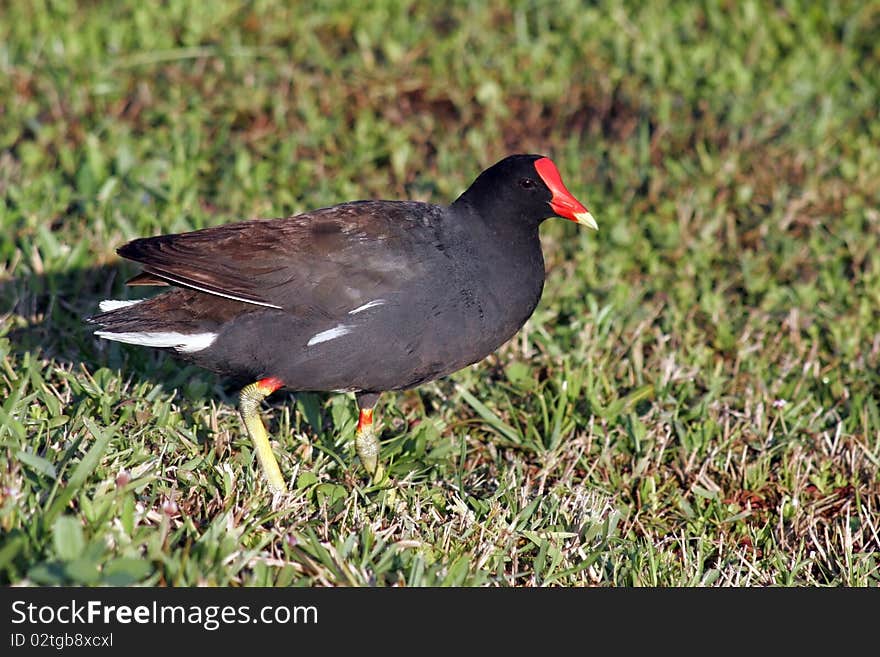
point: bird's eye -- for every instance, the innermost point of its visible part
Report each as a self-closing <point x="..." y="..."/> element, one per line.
<point x="527" y="183"/>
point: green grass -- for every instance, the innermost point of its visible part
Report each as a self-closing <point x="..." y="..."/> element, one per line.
<point x="696" y="400"/>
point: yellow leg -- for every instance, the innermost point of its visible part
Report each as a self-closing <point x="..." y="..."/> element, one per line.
<point x="366" y="443"/>
<point x="248" y="405"/>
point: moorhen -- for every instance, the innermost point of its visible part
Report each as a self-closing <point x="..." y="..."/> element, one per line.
<point x="362" y="297"/>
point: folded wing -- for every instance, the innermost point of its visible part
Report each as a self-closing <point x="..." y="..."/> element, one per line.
<point x="327" y="261"/>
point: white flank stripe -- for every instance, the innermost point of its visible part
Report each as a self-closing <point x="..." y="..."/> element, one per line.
<point x="329" y="334"/>
<point x="215" y="293"/>
<point x="115" y="304"/>
<point x="367" y="306"/>
<point x="183" y="342"/>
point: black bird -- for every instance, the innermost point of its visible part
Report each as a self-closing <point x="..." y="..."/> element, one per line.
<point x="363" y="297"/>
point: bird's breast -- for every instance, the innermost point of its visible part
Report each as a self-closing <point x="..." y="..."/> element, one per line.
<point x="489" y="295"/>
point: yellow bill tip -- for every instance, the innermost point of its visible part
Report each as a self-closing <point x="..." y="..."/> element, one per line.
<point x="586" y="219"/>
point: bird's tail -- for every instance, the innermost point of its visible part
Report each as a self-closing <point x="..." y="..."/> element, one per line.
<point x="161" y="322"/>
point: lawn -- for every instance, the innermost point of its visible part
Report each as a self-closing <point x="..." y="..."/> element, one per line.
<point x="695" y="401"/>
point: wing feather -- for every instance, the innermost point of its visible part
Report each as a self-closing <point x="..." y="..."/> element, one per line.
<point x="327" y="261"/>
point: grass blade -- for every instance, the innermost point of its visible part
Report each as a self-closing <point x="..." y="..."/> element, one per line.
<point x="82" y="471"/>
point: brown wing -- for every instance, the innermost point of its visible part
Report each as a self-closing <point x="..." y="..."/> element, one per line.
<point x="328" y="260"/>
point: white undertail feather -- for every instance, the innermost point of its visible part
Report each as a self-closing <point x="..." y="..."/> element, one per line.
<point x="329" y="334"/>
<point x="115" y="304"/>
<point x="183" y="342"/>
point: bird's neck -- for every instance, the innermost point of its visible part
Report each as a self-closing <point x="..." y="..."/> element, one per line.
<point x="504" y="224"/>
